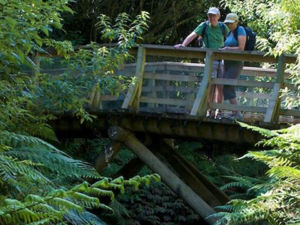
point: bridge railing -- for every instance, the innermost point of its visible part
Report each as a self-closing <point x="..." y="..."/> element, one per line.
<point x="183" y="87"/>
<point x="187" y="92"/>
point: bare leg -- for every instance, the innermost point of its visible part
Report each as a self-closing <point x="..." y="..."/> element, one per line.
<point x="219" y="94"/>
<point x="211" y="98"/>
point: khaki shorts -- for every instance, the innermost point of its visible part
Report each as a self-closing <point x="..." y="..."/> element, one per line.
<point x="218" y="67"/>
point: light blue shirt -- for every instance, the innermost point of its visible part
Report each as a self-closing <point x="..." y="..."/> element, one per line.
<point x="231" y="41"/>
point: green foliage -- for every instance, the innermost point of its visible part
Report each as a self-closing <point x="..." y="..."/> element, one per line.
<point x="279" y="202"/>
<point x="125" y="31"/>
<point x="220" y="165"/>
<point x="34" y="166"/>
<point x="39" y="184"/>
<point x="171" y="20"/>
<point x="94" y="68"/>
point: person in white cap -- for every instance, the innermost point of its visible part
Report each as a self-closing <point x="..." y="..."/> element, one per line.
<point x="236" y="40"/>
<point x="213" y="34"/>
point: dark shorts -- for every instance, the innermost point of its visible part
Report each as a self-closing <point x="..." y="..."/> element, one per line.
<point x="232" y="70"/>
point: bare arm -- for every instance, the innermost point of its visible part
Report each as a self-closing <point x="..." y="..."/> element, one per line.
<point x="187" y="40"/>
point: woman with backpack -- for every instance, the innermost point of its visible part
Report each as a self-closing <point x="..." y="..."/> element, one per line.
<point x="235" y="40"/>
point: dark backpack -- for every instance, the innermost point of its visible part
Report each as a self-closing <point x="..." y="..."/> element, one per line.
<point x="222" y="25"/>
<point x="250" y="38"/>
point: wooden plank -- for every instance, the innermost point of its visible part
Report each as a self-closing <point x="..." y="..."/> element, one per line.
<point x="242" y="108"/>
<point x="272" y="113"/>
<point x="152" y="86"/>
<point x="199" y="68"/>
<point x="168" y="109"/>
<point x="171" y="77"/>
<point x="181" y="89"/>
<point x="242" y="83"/>
<point x="134" y="91"/>
<point x="166" y="101"/>
<point x="200" y="103"/>
<point x="109" y="98"/>
<point x="290" y="112"/>
<point x="252" y="95"/>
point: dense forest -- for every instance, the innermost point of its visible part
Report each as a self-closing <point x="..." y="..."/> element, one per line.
<point x="48" y="180"/>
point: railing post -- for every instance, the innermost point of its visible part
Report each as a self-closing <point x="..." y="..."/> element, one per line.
<point x="200" y="103"/>
<point x="95" y="98"/>
<point x="272" y="113"/>
<point x="133" y="95"/>
<point x="37" y="60"/>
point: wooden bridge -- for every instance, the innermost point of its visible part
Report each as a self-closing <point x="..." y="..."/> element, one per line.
<point x="169" y="100"/>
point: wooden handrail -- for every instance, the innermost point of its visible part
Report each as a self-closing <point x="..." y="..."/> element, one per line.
<point x="133" y="98"/>
<point x="192" y="52"/>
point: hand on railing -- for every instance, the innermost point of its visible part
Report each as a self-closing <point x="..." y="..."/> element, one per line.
<point x="179" y="46"/>
<point x="224" y="48"/>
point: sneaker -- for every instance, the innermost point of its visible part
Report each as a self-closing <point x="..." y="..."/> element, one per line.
<point x="219" y="114"/>
<point x="210" y="113"/>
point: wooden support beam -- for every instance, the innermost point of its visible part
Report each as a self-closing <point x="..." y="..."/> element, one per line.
<point x="200" y="103"/>
<point x="211" y="194"/>
<point x="178" y="186"/>
<point x="272" y="113"/>
<point x="107" y="155"/>
<point x="133" y="95"/>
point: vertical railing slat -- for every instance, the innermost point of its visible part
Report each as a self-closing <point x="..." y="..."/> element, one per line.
<point x="200" y="103"/>
<point x="272" y="114"/>
<point x="133" y="95"/>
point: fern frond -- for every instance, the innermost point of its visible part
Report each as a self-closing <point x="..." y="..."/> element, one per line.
<point x="84" y="200"/>
<point x="240" y="182"/>
<point x="12" y="169"/>
<point x="85" y="217"/>
<point x="55" y="162"/>
<point x="65" y="204"/>
<point x="265" y="132"/>
<point x="285" y="172"/>
<point x="271" y="158"/>
<point x="16" y="140"/>
<point x="234" y="185"/>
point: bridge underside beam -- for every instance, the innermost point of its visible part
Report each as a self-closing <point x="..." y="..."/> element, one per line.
<point x="171" y="179"/>
<point x="168" y="127"/>
<point x="189" y="174"/>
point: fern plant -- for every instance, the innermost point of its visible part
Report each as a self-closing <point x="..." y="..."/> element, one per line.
<point x="39" y="184"/>
<point x="279" y="203"/>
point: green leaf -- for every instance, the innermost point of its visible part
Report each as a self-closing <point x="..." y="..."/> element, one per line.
<point x="12" y="22"/>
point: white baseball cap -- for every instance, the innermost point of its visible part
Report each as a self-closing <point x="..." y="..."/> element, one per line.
<point x="214" y="10"/>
